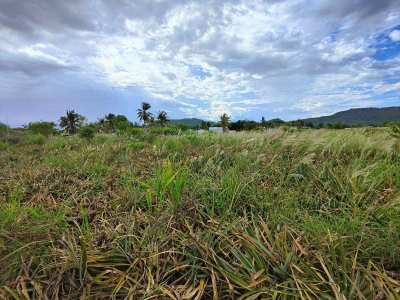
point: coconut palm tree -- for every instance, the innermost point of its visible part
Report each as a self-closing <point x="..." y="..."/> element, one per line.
<point x="143" y="113"/>
<point x="71" y="122"/>
<point x="224" y="119"/>
<point x="162" y="118"/>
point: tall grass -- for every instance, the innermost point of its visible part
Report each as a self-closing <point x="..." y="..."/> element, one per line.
<point x="308" y="214"/>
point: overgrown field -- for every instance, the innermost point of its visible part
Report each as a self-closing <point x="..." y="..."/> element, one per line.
<point x="310" y="214"/>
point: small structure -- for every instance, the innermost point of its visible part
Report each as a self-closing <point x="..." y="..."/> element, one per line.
<point x="216" y="129"/>
<point x="201" y="131"/>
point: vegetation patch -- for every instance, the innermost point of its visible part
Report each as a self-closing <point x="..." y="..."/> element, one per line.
<point x="308" y="214"/>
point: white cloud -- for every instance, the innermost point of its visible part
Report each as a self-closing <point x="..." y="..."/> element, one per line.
<point x="395" y="35"/>
<point x="388" y="87"/>
<point x="245" y="58"/>
<point x="267" y="50"/>
<point x="38" y="51"/>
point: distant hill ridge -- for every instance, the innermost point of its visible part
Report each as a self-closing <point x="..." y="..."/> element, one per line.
<point x="190" y="122"/>
<point x="360" y="116"/>
<point x="354" y="116"/>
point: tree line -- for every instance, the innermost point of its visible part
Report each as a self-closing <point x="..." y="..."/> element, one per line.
<point x="73" y="123"/>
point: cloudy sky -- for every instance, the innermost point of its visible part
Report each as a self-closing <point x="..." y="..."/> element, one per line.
<point x="272" y="58"/>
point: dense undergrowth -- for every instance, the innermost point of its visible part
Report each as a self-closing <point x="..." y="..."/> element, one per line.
<point x="310" y="214"/>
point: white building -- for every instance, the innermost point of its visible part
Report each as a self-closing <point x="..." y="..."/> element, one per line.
<point x="216" y="129"/>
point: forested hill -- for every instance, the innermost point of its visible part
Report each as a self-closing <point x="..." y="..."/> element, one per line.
<point x="189" y="122"/>
<point x="360" y="116"/>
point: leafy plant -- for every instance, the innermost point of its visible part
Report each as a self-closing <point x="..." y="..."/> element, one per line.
<point x="166" y="187"/>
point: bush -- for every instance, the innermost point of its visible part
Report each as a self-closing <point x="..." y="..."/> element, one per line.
<point x="87" y="132"/>
<point x="395" y="130"/>
<point x="34" y="139"/>
<point x="102" y="138"/>
<point x="165" y="130"/>
<point x="136" y="145"/>
<point x="134" y="131"/>
<point x="3" y="145"/>
<point x="12" y="136"/>
<point x="44" y="128"/>
<point x="3" y="127"/>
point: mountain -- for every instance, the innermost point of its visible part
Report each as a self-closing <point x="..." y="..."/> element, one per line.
<point x="189" y="122"/>
<point x="360" y="116"/>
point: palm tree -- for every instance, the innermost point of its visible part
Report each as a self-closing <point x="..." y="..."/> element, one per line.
<point x="224" y="119"/>
<point x="71" y="121"/>
<point x="143" y="113"/>
<point x="162" y="117"/>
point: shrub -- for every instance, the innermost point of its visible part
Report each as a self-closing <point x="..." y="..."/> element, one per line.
<point x="34" y="139"/>
<point x="136" y="145"/>
<point x="165" y="130"/>
<point x="395" y="130"/>
<point x="87" y="132"/>
<point x="102" y="138"/>
<point x="3" y="127"/>
<point x="134" y="131"/>
<point x="12" y="136"/>
<point x="3" y="145"/>
<point x="44" y="128"/>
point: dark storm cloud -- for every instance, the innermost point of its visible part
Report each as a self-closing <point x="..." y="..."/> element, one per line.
<point x="141" y="9"/>
<point x="31" y="66"/>
<point x="29" y="17"/>
<point x="359" y="8"/>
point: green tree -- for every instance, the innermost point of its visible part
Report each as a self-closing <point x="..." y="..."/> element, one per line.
<point x="44" y="128"/>
<point x="224" y="120"/>
<point x="87" y="132"/>
<point x="111" y="123"/>
<point x="162" y="118"/>
<point x="71" y="122"/>
<point x="144" y="115"/>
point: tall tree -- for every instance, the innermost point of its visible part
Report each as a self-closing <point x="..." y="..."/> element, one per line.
<point x="162" y="117"/>
<point x="144" y="114"/>
<point x="71" y="122"/>
<point x="225" y="119"/>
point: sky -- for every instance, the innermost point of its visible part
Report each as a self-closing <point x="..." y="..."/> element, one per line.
<point x="274" y="58"/>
